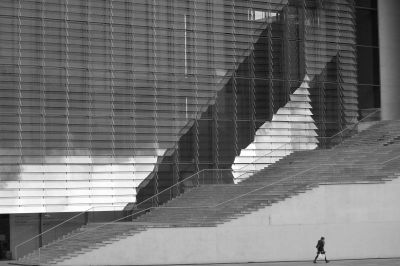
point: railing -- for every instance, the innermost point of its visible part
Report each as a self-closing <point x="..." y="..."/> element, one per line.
<point x="366" y="112"/>
<point x="261" y="161"/>
<point x="349" y="131"/>
<point x="63" y="223"/>
<point x="300" y="180"/>
<point x="203" y="177"/>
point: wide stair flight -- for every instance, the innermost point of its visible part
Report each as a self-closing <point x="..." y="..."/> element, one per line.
<point x="372" y="156"/>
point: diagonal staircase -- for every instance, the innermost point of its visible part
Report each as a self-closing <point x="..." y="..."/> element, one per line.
<point x="372" y="156"/>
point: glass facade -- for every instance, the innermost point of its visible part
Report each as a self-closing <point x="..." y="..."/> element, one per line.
<point x="368" y="56"/>
<point x="105" y="102"/>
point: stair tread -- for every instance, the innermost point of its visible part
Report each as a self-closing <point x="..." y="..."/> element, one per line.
<point x="361" y="159"/>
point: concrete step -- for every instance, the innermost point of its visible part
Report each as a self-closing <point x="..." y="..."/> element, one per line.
<point x="361" y="159"/>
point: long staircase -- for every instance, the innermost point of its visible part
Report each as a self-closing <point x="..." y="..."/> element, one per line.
<point x="372" y="156"/>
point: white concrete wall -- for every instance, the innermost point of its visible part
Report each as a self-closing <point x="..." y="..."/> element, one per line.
<point x="358" y="221"/>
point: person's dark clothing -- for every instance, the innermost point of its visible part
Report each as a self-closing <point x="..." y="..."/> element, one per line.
<point x="320" y="250"/>
<point x="320" y="245"/>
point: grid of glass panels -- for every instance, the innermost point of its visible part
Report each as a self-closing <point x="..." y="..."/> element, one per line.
<point x="368" y="56"/>
<point x="105" y="100"/>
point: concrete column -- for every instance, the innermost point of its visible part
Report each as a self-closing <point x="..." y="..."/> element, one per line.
<point x="389" y="42"/>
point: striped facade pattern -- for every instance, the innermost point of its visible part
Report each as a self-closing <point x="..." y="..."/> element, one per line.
<point x="99" y="97"/>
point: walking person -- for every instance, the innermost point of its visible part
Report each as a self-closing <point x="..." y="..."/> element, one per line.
<point x="320" y="249"/>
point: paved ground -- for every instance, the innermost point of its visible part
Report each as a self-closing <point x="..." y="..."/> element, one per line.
<point x="366" y="262"/>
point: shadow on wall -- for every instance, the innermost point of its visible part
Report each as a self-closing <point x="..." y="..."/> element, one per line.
<point x="224" y="129"/>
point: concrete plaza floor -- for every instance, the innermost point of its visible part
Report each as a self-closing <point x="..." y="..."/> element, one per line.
<point x="364" y="262"/>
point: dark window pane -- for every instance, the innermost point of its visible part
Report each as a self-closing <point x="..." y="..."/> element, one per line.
<point x="368" y="68"/>
<point x="368" y="96"/>
<point x="366" y="3"/>
<point x="367" y="31"/>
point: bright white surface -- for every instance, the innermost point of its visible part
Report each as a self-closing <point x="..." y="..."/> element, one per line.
<point x="76" y="183"/>
<point x="292" y="128"/>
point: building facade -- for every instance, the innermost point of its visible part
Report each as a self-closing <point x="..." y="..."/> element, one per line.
<point x="107" y="102"/>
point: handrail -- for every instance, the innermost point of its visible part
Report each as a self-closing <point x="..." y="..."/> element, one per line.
<point x="140" y="203"/>
<point x="223" y="169"/>
<point x="271" y="184"/>
<point x="182" y="181"/>
<point x="210" y="206"/>
<point x="93" y="207"/>
<point x="102" y="225"/>
<point x="202" y="207"/>
<point x="58" y="225"/>
<point x="350" y="126"/>
<point x="262" y="156"/>
<point x="146" y="200"/>
<point x="150" y="198"/>
<point x="144" y="210"/>
<point x="102" y="206"/>
<point x="251" y="191"/>
<point x="286" y="178"/>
